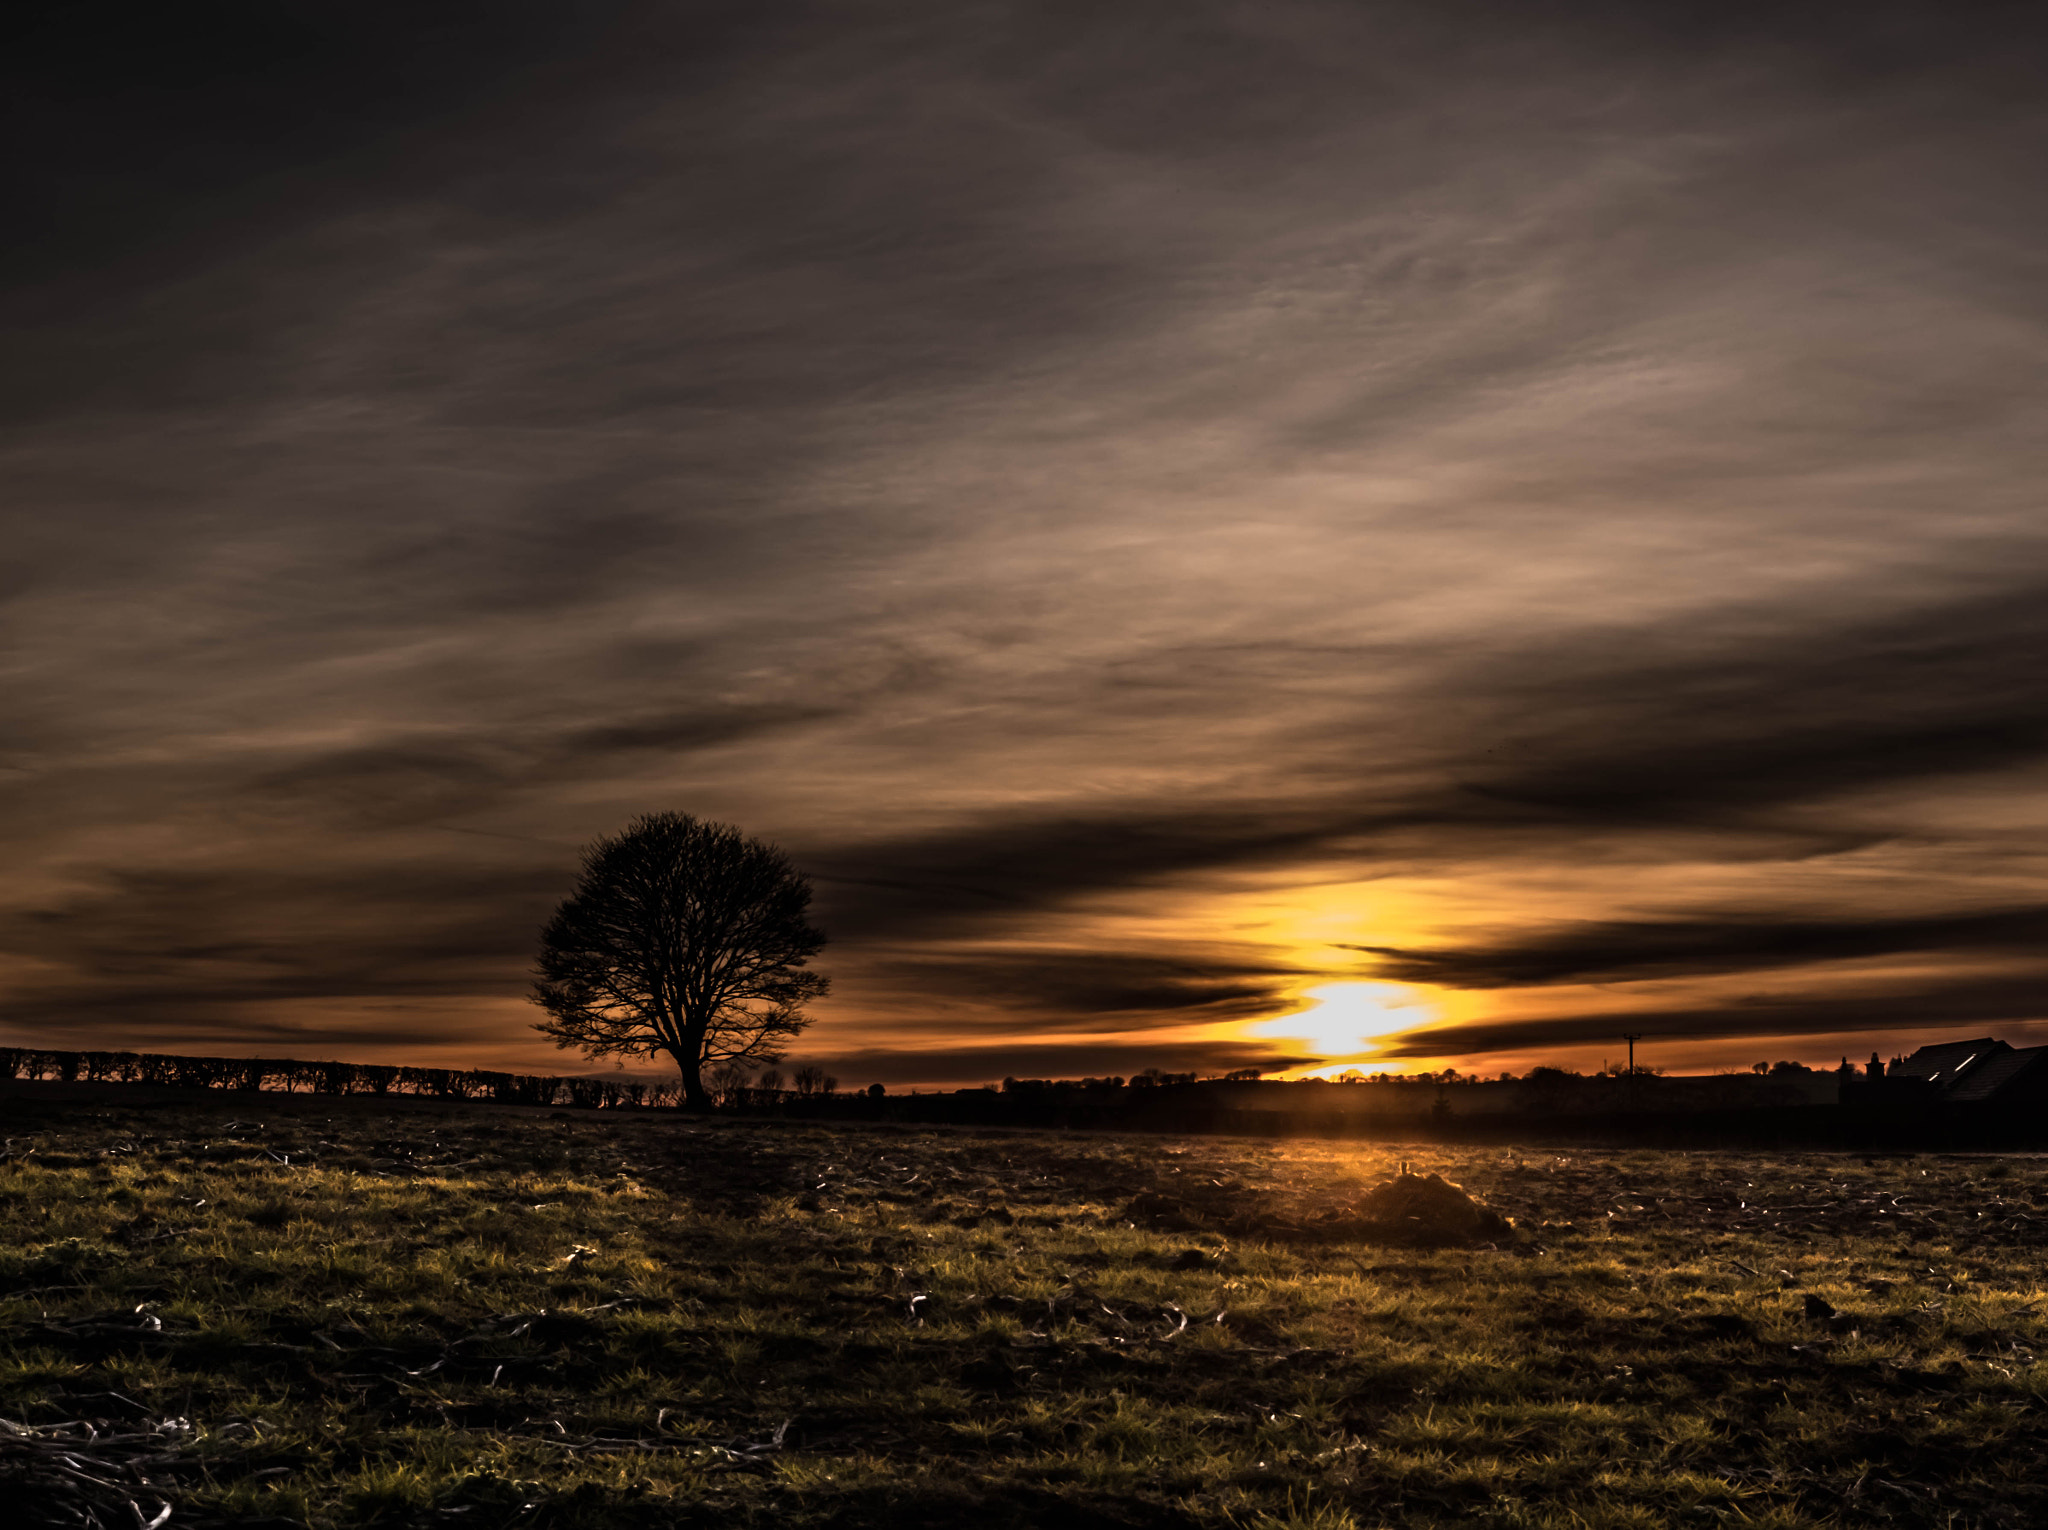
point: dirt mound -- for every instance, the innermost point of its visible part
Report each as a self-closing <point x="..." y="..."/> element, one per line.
<point x="1429" y="1210"/>
<point x="1425" y="1211"/>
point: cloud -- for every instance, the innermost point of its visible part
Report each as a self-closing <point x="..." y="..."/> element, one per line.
<point x="1836" y="706"/>
<point x="1001" y="868"/>
<point x="969" y="1066"/>
<point x="681" y="731"/>
<point x="2010" y="999"/>
<point x="1136" y="502"/>
<point x="1133" y="990"/>
<point x="1625" y="950"/>
<point x="1653" y="731"/>
<point x="175" y="942"/>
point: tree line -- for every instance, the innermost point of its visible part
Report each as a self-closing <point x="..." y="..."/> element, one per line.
<point x="284" y="1075"/>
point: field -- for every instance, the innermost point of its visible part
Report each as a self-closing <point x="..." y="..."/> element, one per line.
<point x="341" y="1312"/>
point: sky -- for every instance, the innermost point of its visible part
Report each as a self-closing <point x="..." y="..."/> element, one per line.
<point x="1288" y="534"/>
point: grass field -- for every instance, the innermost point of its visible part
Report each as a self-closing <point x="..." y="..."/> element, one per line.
<point x="332" y="1312"/>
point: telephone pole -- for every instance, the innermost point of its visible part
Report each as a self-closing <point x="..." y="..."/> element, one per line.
<point x="1632" y="1037"/>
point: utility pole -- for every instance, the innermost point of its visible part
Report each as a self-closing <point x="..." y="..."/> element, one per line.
<point x="1632" y="1037"/>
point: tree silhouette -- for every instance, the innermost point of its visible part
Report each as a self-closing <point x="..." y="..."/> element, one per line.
<point x="682" y="937"/>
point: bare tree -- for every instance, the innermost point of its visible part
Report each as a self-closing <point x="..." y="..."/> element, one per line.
<point x="727" y="1084"/>
<point x="682" y="937"/>
<point x="810" y="1079"/>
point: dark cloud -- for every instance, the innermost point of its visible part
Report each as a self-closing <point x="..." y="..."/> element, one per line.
<point x="1006" y="867"/>
<point x="1076" y="1059"/>
<point x="173" y="941"/>
<point x="1625" y="950"/>
<point x="1927" y="1007"/>
<point x="1136" y="988"/>
<point x="1718" y="726"/>
<point x="429" y="780"/>
<point x="389" y="784"/>
<point x="700" y="728"/>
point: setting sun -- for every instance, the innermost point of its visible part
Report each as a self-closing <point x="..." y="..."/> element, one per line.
<point x="1345" y="1021"/>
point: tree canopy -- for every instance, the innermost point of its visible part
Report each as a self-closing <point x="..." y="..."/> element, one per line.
<point x="682" y="937"/>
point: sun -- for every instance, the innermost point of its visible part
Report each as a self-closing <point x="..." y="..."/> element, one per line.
<point x="1348" y="1020"/>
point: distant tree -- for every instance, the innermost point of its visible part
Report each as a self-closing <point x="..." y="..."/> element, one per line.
<point x="727" y="1084"/>
<point x="682" y="937"/>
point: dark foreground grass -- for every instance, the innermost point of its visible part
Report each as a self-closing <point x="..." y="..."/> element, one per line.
<point x="330" y="1313"/>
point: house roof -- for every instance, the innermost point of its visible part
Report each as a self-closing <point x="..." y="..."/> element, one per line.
<point x="1975" y="1072"/>
<point x="1984" y="1078"/>
<point x="1947" y="1063"/>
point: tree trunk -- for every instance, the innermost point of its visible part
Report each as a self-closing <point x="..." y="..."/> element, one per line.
<point x="694" y="1095"/>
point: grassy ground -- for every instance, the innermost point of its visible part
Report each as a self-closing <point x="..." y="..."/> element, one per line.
<point x="332" y="1313"/>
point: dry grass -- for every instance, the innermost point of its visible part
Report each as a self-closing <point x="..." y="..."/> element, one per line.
<point x="341" y="1313"/>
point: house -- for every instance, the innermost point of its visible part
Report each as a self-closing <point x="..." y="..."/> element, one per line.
<point x="1980" y="1072"/>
